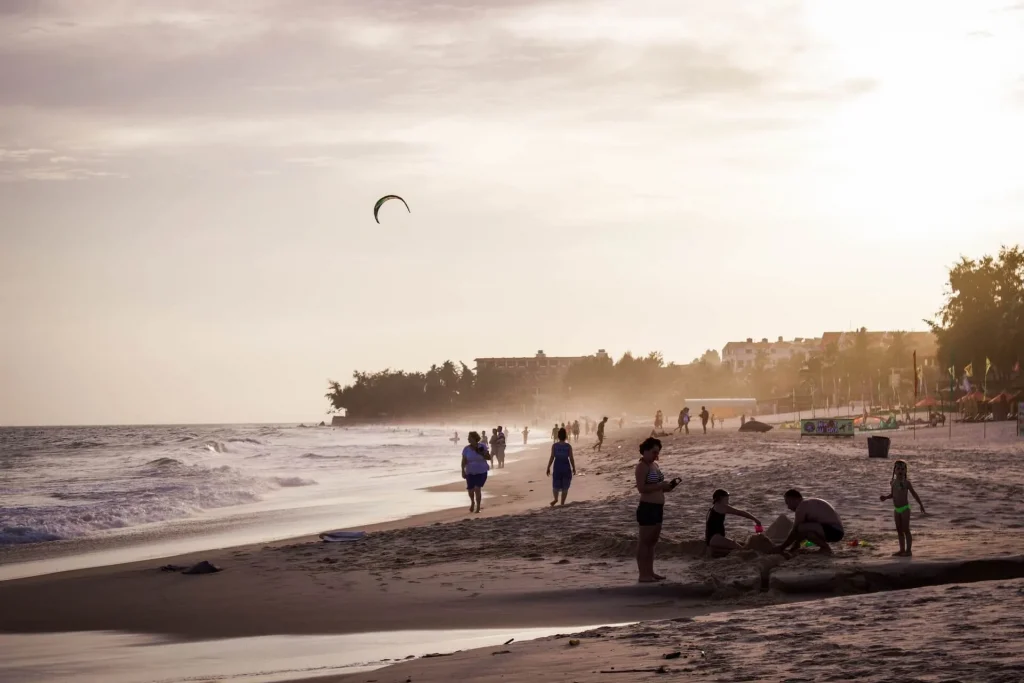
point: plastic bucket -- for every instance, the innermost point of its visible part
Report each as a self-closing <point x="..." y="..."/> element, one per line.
<point x="878" y="447"/>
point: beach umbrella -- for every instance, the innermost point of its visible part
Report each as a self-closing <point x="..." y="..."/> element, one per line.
<point x="927" y="402"/>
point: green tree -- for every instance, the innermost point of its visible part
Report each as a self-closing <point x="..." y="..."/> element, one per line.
<point x="983" y="316"/>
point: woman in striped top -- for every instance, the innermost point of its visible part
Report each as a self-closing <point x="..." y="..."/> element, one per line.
<point x="651" y="484"/>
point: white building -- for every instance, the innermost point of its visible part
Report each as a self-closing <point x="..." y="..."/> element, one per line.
<point x="741" y="355"/>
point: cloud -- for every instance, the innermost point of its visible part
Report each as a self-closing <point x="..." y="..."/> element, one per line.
<point x="123" y="78"/>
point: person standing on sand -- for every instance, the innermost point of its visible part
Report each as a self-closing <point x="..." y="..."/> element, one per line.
<point x="704" y="415"/>
<point x="651" y="484"/>
<point x="679" y="420"/>
<point x="600" y="434"/>
<point x="565" y="467"/>
<point x="899" y="487"/>
<point x="659" y="420"/>
<point x="499" y="448"/>
<point x="576" y="431"/>
<point x="526" y="434"/>
<point x="815" y="521"/>
<point x="686" y="420"/>
<point x="713" y="418"/>
<point x="714" y="523"/>
<point x="554" y="433"/>
<point x="475" y="466"/>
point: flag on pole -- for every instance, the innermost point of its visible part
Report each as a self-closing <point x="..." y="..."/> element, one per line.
<point x="917" y="377"/>
<point x="988" y="366"/>
<point x="969" y="370"/>
<point x="1016" y="368"/>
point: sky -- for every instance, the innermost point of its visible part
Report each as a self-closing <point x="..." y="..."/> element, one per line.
<point x="186" y="187"/>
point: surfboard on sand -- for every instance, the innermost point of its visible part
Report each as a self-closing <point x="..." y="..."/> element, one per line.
<point x="341" y="536"/>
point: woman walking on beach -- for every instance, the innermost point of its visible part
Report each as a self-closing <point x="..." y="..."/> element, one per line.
<point x="899" y="488"/>
<point x="565" y="467"/>
<point x="651" y="484"/>
<point x="475" y="466"/>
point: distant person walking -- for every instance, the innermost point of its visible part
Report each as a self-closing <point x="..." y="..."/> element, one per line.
<point x="499" y="448"/>
<point x="622" y="422"/>
<point x="704" y="415"/>
<point x="651" y="484"/>
<point x="680" y="420"/>
<point x="564" y="467"/>
<point x="526" y="434"/>
<point x="713" y="418"/>
<point x="475" y="466"/>
<point x="659" y="421"/>
<point x="554" y="433"/>
<point x="600" y="434"/>
<point x="686" y="420"/>
<point x="576" y="431"/>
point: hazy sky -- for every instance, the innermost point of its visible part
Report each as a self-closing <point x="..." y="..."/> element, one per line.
<point x="186" y="187"/>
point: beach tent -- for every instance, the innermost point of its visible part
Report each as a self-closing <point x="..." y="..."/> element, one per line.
<point x="927" y="402"/>
<point x="755" y="426"/>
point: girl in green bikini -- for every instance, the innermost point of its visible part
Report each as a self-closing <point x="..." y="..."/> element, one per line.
<point x="900" y="491"/>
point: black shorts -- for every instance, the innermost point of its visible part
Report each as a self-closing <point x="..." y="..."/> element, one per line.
<point x="833" y="534"/>
<point x="649" y="514"/>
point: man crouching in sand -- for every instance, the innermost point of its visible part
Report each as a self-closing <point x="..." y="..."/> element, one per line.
<point x="816" y="521"/>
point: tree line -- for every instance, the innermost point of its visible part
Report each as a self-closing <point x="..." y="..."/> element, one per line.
<point x="980" y="323"/>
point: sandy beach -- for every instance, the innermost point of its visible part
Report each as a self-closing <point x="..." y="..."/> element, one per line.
<point x="522" y="564"/>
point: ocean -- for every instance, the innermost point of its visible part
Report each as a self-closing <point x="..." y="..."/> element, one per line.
<point x="87" y="496"/>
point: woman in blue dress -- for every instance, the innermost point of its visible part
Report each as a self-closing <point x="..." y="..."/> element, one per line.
<point x="564" y="467"/>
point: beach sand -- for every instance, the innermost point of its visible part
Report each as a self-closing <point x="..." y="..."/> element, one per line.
<point x="522" y="564"/>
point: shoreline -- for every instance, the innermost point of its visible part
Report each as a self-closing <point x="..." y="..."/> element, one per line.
<point x="82" y="554"/>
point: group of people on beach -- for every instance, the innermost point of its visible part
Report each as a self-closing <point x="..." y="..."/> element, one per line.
<point x="477" y="457"/>
<point x="573" y="429"/>
<point x="815" y="520"/>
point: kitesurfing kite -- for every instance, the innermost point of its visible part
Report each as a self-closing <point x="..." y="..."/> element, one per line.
<point x="380" y="203"/>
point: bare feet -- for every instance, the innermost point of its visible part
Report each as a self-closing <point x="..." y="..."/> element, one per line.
<point x="659" y="577"/>
<point x="648" y="579"/>
<point x="553" y="503"/>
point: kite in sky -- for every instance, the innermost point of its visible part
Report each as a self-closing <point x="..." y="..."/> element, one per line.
<point x="380" y="203"/>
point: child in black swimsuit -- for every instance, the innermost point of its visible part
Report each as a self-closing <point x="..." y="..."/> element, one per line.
<point x="714" y="526"/>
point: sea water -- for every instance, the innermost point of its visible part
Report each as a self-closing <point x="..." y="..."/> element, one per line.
<point x="117" y="494"/>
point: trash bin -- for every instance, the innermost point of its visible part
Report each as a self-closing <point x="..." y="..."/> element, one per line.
<point x="878" y="447"/>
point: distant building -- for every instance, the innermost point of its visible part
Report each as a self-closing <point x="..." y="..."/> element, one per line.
<point x="540" y="365"/>
<point x="742" y="355"/>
